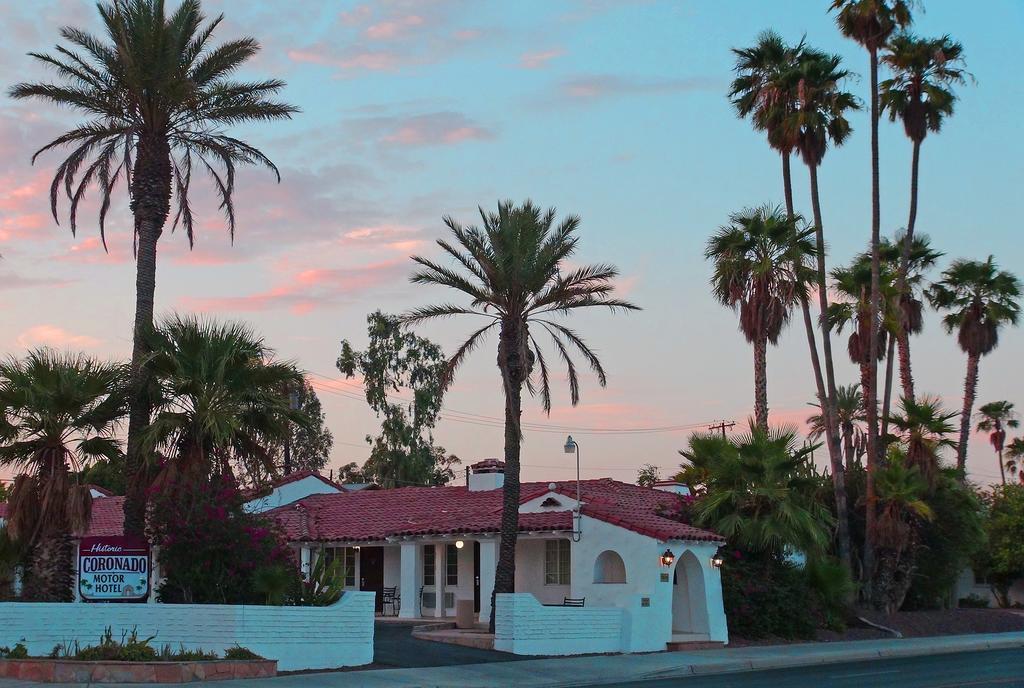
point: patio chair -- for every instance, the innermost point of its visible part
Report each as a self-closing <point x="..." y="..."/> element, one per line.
<point x="390" y="598"/>
<point x="573" y="601"/>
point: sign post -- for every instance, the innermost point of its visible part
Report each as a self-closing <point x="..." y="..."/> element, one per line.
<point x="113" y="568"/>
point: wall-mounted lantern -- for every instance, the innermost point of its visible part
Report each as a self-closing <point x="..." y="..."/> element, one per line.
<point x="667" y="558"/>
<point x="716" y="561"/>
<point x="459" y="544"/>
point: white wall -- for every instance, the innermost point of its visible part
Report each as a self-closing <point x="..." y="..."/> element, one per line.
<point x="534" y="505"/>
<point x="525" y="627"/>
<point x="969" y="585"/>
<point x="290" y="492"/>
<point x="530" y="573"/>
<point x="298" y="637"/>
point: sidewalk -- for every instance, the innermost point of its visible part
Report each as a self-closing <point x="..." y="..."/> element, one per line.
<point x="615" y="669"/>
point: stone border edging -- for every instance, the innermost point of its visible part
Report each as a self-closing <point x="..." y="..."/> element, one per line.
<point x="76" y="671"/>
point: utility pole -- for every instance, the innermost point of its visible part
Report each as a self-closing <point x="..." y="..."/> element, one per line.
<point x="722" y="426"/>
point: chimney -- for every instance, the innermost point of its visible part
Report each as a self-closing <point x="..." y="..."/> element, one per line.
<point x="672" y="486"/>
<point x="488" y="474"/>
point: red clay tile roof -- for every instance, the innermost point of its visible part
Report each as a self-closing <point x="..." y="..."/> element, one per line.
<point x="424" y="511"/>
<point x="107" y="517"/>
<point x="291" y="478"/>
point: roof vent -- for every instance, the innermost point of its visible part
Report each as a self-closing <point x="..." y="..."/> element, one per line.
<point x="488" y="474"/>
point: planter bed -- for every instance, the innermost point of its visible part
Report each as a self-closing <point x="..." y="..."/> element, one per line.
<point x="74" y="671"/>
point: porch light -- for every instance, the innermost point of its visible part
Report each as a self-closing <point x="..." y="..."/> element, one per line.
<point x="570" y="445"/>
<point x="716" y="561"/>
<point x="667" y="558"/>
<point x="459" y="544"/>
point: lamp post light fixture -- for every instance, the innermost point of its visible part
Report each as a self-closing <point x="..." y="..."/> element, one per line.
<point x="667" y="558"/>
<point x="573" y="447"/>
<point x="459" y="544"/>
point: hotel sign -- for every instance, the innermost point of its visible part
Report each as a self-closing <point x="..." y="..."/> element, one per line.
<point x="113" y="568"/>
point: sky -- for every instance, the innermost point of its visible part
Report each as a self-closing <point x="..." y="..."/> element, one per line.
<point x="615" y="111"/>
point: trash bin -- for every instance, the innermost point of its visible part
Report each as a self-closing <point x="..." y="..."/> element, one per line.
<point x="464" y="614"/>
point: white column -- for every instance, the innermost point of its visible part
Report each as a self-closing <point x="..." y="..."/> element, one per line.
<point x="488" y="564"/>
<point x="408" y="586"/>
<point x="440" y="573"/>
<point x="305" y="562"/>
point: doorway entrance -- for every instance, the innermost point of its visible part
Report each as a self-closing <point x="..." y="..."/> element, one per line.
<point x="371" y="573"/>
<point x="689" y="603"/>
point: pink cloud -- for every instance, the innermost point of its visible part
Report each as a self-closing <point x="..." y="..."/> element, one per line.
<point x="601" y="86"/>
<point x="51" y="335"/>
<point x="388" y="30"/>
<point x="539" y="59"/>
<point x="428" y="129"/>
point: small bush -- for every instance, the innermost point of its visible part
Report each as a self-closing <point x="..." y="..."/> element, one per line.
<point x="973" y="601"/>
<point x="765" y="596"/>
<point x="128" y="649"/>
<point x="239" y="652"/>
<point x="183" y="655"/>
<point x="19" y="651"/>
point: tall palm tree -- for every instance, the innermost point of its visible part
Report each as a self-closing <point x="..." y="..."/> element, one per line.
<point x="57" y="413"/>
<point x="851" y="418"/>
<point x="870" y="23"/>
<point x="756" y="491"/>
<point x="994" y="418"/>
<point x="906" y="312"/>
<point x="1015" y="457"/>
<point x="513" y="269"/>
<point x="765" y="90"/>
<point x="979" y="299"/>
<point x="923" y="429"/>
<point x="761" y="259"/>
<point x="220" y="402"/>
<point x="920" y="95"/>
<point x="158" y="98"/>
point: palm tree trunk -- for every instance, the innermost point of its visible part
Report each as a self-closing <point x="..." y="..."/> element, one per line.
<point x="825" y="402"/>
<point x="49" y="575"/>
<point x="513" y="373"/>
<point x="1002" y="469"/>
<point x="151" y="194"/>
<point x="826" y="338"/>
<point x="887" y="395"/>
<point x="903" y="337"/>
<point x="970" y="389"/>
<point x="761" y="382"/>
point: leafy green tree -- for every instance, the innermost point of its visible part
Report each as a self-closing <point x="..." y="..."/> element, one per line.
<point x="105" y="473"/>
<point x="994" y="418"/>
<point x="310" y="443"/>
<point x="219" y="401"/>
<point x="159" y="98"/>
<point x="755" y="490"/>
<point x="979" y="300"/>
<point x="397" y="360"/>
<point x="57" y="413"/>
<point x="920" y="95"/>
<point x="513" y="270"/>
<point x="648" y="475"/>
<point x="1015" y="457"/>
<point x="761" y="261"/>
<point x="1005" y="554"/>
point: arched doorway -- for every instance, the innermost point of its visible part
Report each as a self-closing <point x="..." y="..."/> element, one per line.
<point x="689" y="601"/>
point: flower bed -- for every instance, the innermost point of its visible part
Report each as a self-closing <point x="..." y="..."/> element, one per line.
<point x="75" y="671"/>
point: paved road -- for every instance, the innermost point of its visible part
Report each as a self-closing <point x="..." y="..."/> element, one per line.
<point x="394" y="647"/>
<point x="997" y="668"/>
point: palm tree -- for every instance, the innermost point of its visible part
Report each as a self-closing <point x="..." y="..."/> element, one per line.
<point x="851" y="417"/>
<point x="906" y="311"/>
<point x="765" y="90"/>
<point x="57" y="413"/>
<point x="923" y="430"/>
<point x="220" y="401"/>
<point x="1015" y="457"/>
<point x="980" y="299"/>
<point x="871" y="23"/>
<point x="760" y="261"/>
<point x="919" y="94"/>
<point x="756" y="491"/>
<point x="994" y="418"/>
<point x="158" y="98"/>
<point x="511" y="269"/>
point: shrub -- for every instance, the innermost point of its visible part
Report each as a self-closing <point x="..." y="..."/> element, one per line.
<point x="129" y="649"/>
<point x="239" y="652"/>
<point x="973" y="601"/>
<point x="1005" y="556"/>
<point x="19" y="651"/>
<point x="768" y="596"/>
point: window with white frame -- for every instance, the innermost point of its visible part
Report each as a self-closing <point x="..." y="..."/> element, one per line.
<point x="429" y="565"/>
<point x="556" y="562"/>
<point x="347" y="555"/>
<point x="451" y="565"/>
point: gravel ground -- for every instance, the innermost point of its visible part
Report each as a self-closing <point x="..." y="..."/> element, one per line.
<point x="915" y="625"/>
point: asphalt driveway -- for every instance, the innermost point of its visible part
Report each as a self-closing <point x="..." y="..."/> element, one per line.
<point x="394" y="647"/>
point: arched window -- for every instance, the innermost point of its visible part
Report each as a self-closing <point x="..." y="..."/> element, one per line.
<point x="609" y="568"/>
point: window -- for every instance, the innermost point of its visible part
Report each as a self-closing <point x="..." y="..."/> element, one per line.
<point x="556" y="562"/>
<point x="348" y="559"/>
<point x="429" y="565"/>
<point x="451" y="565"/>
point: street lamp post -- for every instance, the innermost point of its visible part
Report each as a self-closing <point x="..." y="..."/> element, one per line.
<point x="293" y="404"/>
<point x="573" y="447"/>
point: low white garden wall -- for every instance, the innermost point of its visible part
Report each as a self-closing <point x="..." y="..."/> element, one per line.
<point x="298" y="637"/>
<point x="523" y="626"/>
